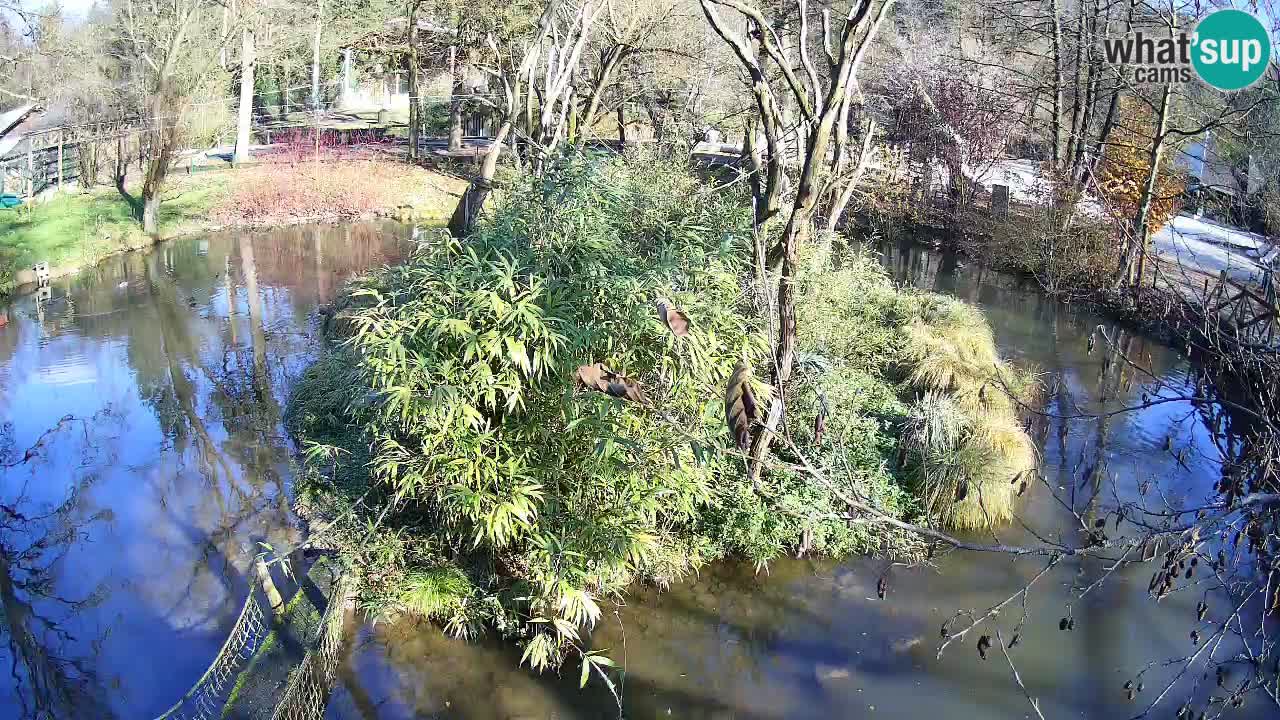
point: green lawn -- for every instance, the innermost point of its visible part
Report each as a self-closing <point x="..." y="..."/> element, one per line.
<point x="83" y="228"/>
<point x="78" y="230"/>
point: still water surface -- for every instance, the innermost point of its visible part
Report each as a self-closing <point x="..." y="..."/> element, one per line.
<point x="810" y="639"/>
<point x="125" y="542"/>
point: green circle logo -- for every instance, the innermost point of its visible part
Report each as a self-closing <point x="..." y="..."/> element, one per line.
<point x="1232" y="49"/>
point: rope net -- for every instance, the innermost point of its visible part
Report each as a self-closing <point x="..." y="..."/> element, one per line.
<point x="307" y="694"/>
<point x="206" y="697"/>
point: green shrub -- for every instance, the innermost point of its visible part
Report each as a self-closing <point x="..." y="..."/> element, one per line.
<point x="472" y="352"/>
<point x="524" y="498"/>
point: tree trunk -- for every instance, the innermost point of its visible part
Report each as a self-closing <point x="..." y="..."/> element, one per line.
<point x="151" y="214"/>
<point x="122" y="167"/>
<point x="456" y="92"/>
<point x="836" y="211"/>
<point x="411" y="67"/>
<point x="622" y="124"/>
<point x="160" y="153"/>
<point x="1141" y="225"/>
<point x="315" y="58"/>
<point x="1056" y="110"/>
<point x="245" y="115"/>
<point x="472" y="202"/>
<point x="609" y="62"/>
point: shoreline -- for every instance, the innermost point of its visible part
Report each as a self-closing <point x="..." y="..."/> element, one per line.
<point x="424" y="197"/>
<point x="25" y="279"/>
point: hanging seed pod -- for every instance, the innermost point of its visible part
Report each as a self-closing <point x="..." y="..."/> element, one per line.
<point x="1063" y="623"/>
<point x="984" y="644"/>
<point x="1071" y="624"/>
<point x="1195" y="637"/>
<point x="676" y="321"/>
<point x="962" y="490"/>
<point x="1222" y="676"/>
<point x="1190" y="570"/>
<point x="1183" y="712"/>
<point x="820" y="424"/>
<point x="1014" y="641"/>
<point x="600" y="378"/>
<point x="1202" y="609"/>
<point x="741" y="411"/>
<point x="1129" y="694"/>
<point x="1022" y="487"/>
<point x="882" y="587"/>
<point x="1128" y="685"/>
<point x="944" y="632"/>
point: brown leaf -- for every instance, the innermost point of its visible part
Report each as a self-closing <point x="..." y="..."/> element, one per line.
<point x="676" y="321"/>
<point x="741" y="411"/>
<point x="600" y="378"/>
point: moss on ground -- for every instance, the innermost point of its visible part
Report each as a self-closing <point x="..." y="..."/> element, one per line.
<point x="260" y="684"/>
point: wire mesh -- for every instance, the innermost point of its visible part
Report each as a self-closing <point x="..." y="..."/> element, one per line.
<point x="206" y="697"/>
<point x="307" y="694"/>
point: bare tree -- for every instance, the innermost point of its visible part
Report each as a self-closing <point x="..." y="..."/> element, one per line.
<point x="168" y="51"/>
<point x="548" y="54"/>
<point x="821" y="99"/>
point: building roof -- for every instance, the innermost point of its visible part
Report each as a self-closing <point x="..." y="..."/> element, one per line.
<point x="11" y="132"/>
<point x="10" y="118"/>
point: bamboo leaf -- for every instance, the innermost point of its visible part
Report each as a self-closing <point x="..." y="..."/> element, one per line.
<point x="675" y="320"/>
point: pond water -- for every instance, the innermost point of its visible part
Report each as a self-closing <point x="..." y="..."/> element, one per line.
<point x="126" y="539"/>
<point x="810" y="639"/>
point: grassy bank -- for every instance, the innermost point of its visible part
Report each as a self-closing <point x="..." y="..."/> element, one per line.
<point x="79" y="230"/>
<point x="528" y="491"/>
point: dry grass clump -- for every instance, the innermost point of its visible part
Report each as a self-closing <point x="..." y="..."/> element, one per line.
<point x="968" y="449"/>
<point x="951" y="349"/>
<point x="962" y="444"/>
<point x="969" y="466"/>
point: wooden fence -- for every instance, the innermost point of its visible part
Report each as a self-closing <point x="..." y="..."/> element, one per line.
<point x="1252" y="311"/>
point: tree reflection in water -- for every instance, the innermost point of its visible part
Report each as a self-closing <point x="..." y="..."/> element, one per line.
<point x="51" y="664"/>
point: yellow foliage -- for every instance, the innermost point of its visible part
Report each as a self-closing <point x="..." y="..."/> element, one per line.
<point x="1123" y="172"/>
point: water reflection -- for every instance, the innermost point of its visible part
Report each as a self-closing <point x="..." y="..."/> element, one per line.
<point x="811" y="640"/>
<point x="126" y="539"/>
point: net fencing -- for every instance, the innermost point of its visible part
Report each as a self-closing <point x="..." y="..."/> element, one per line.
<point x="206" y="697"/>
<point x="307" y="694"/>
